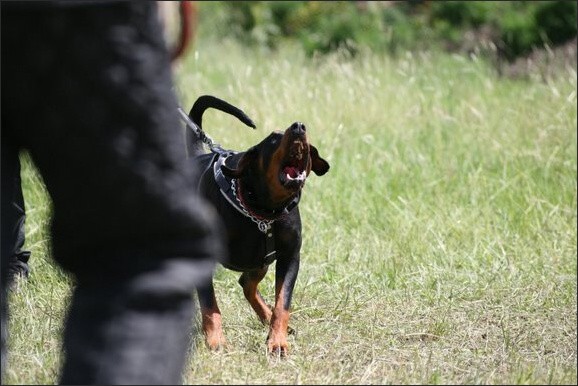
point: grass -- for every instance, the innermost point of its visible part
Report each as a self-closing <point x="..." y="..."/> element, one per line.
<point x="439" y="249"/>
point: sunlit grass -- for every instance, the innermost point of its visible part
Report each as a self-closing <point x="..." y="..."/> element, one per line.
<point x="440" y="248"/>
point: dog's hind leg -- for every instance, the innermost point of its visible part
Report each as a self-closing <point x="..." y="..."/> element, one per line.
<point x="211" y="317"/>
<point x="250" y="281"/>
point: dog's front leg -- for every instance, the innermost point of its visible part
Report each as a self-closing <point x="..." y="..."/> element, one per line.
<point x="285" y="276"/>
<point x="211" y="317"/>
<point x="250" y="281"/>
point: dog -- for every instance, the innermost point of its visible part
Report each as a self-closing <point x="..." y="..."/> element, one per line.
<point x="256" y="193"/>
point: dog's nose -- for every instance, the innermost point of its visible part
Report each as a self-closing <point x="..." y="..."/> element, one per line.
<point x="298" y="128"/>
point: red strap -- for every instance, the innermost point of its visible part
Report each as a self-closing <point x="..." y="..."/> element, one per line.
<point x="186" y="31"/>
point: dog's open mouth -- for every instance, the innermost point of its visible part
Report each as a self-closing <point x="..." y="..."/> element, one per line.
<point x="293" y="172"/>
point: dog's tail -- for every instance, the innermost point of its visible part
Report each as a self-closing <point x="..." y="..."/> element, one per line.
<point x="207" y="101"/>
<point x="193" y="140"/>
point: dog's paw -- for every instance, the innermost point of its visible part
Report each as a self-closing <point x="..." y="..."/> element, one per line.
<point x="213" y="332"/>
<point x="215" y="341"/>
<point x="277" y="345"/>
<point x="278" y="351"/>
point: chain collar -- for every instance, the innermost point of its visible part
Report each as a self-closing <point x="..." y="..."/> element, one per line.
<point x="262" y="224"/>
<point x="230" y="189"/>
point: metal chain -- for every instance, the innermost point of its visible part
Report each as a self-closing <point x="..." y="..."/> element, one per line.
<point x="263" y="225"/>
<point x="215" y="147"/>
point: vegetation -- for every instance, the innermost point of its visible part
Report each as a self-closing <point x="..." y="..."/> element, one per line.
<point x="439" y="249"/>
<point x="515" y="28"/>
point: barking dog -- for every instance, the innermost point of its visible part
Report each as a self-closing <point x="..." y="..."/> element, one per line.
<point x="256" y="193"/>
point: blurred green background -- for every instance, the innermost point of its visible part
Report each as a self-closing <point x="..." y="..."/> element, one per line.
<point x="505" y="30"/>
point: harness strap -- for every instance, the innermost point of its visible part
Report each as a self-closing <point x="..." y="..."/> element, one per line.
<point x="228" y="191"/>
<point x="224" y="186"/>
<point x="271" y="253"/>
<point x="206" y="169"/>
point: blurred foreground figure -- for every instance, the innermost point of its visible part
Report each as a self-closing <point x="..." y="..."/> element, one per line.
<point x="18" y="260"/>
<point x="86" y="89"/>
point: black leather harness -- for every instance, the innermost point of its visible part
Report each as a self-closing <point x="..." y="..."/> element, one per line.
<point x="230" y="190"/>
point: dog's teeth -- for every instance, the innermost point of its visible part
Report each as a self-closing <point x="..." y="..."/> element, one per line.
<point x="300" y="177"/>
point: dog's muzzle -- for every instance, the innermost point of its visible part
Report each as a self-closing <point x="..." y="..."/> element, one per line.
<point x="294" y="169"/>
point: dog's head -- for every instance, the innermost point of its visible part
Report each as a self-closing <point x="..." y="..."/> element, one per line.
<point x="275" y="170"/>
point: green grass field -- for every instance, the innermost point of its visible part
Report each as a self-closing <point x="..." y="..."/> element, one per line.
<point x="439" y="249"/>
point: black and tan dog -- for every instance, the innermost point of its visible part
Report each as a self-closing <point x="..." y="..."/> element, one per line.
<point x="256" y="193"/>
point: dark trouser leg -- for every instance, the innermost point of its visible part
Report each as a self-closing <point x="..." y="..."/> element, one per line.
<point x="140" y="328"/>
<point x="18" y="265"/>
<point x="127" y="221"/>
<point x="3" y="326"/>
<point x="8" y="173"/>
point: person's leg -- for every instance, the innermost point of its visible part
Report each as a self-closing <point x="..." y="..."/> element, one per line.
<point x="134" y="330"/>
<point x="18" y="264"/>
<point x="9" y="170"/>
<point x="127" y="221"/>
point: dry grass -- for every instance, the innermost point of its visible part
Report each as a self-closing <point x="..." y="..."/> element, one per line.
<point x="439" y="249"/>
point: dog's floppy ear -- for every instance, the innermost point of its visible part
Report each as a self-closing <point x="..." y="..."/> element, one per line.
<point x="246" y="159"/>
<point x="318" y="164"/>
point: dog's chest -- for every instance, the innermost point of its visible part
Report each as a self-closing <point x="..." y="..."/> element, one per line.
<point x="249" y="248"/>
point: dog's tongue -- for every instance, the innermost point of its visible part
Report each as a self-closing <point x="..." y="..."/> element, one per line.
<point x="293" y="172"/>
